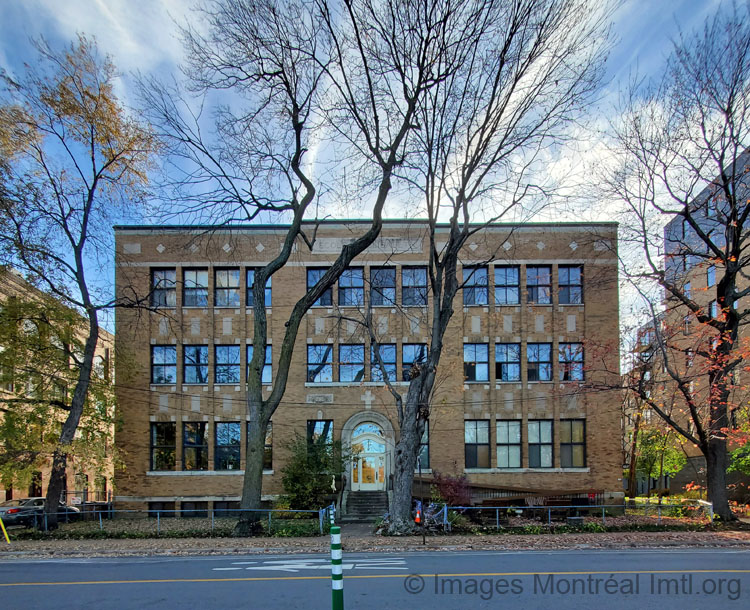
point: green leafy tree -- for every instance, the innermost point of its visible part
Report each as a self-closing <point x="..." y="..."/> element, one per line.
<point x="312" y="468"/>
<point x="658" y="454"/>
<point x="42" y="342"/>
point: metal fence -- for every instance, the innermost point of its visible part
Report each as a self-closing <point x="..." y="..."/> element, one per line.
<point x="615" y="515"/>
<point x="200" y="522"/>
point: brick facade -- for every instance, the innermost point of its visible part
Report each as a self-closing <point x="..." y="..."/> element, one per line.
<point x="403" y="244"/>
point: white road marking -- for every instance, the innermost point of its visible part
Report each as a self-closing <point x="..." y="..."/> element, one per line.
<point x="295" y="565"/>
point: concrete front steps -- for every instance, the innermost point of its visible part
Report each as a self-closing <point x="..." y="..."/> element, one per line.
<point x="365" y="506"/>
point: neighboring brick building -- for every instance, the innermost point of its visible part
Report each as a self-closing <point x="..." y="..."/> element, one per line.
<point x="510" y="407"/>
<point x="87" y="478"/>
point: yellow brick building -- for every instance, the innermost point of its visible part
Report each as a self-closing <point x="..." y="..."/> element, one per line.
<point x="510" y="408"/>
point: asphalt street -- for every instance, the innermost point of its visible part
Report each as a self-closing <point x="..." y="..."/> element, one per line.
<point x="663" y="579"/>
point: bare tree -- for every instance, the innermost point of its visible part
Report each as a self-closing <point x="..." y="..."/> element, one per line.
<point x="527" y="70"/>
<point x="75" y="160"/>
<point x="300" y="74"/>
<point x="680" y="163"/>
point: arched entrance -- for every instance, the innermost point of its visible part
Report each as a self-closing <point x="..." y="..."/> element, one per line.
<point x="368" y="465"/>
<point x="369" y="435"/>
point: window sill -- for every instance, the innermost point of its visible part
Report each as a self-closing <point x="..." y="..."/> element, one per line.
<point x="499" y="382"/>
<point x="198" y="473"/>
<point x="252" y="309"/>
<point x="507" y="304"/>
<point x="424" y="471"/>
<point x="539" y="304"/>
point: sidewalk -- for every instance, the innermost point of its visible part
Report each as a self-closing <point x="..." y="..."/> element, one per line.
<point x="356" y="542"/>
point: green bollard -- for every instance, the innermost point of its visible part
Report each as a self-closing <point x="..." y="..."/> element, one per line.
<point x="337" y="575"/>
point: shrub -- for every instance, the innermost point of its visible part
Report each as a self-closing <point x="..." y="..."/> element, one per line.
<point x="454" y="491"/>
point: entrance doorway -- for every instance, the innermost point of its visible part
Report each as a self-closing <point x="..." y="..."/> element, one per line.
<point x="368" y="465"/>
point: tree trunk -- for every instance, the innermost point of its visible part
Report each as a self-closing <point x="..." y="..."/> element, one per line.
<point x="60" y="456"/>
<point x="632" y="472"/>
<point x="406" y="452"/>
<point x="716" y="477"/>
<point x="252" y="485"/>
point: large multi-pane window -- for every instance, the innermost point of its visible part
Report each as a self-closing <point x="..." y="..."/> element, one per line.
<point x="267" y="445"/>
<point x="506" y="285"/>
<point x="163" y="364"/>
<point x="539" y="284"/>
<point x="227" y="364"/>
<point x="267" y="373"/>
<point x="414" y="358"/>
<point x="476" y="362"/>
<point x="250" y="277"/>
<point x="163" y="287"/>
<point x="313" y="277"/>
<point x="195" y="363"/>
<point x="540" y="443"/>
<point x="195" y="287"/>
<point x="570" y="283"/>
<point x="424" y="447"/>
<point x="352" y="287"/>
<point x="195" y="445"/>
<point x="320" y="363"/>
<point x="571" y="361"/>
<point x="508" y="361"/>
<point x="475" y="286"/>
<point x="163" y="444"/>
<point x="387" y="352"/>
<point x="320" y="431"/>
<point x="414" y="286"/>
<point x="227" y="287"/>
<point x="509" y="443"/>
<point x="572" y="443"/>
<point x="539" y="361"/>
<point x="477" y="443"/>
<point x="382" y="286"/>
<point x="227" y="447"/>
<point x="351" y="363"/>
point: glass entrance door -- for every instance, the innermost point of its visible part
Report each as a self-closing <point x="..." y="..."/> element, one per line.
<point x="368" y="465"/>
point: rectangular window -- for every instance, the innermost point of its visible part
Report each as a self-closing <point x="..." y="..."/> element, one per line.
<point x="387" y="353"/>
<point x="572" y="443"/>
<point x="506" y="285"/>
<point x="540" y="443"/>
<point x="508" y="361"/>
<point x="509" y="443"/>
<point x="476" y="286"/>
<point x="227" y="288"/>
<point x="227" y="446"/>
<point x="570" y="282"/>
<point x="477" y="443"/>
<point x="313" y="277"/>
<point x="352" y="288"/>
<point x="227" y="364"/>
<point x="195" y="287"/>
<point x="414" y="286"/>
<point x="267" y="446"/>
<point x="539" y="284"/>
<point x="195" y="446"/>
<point x="687" y="290"/>
<point x="476" y="362"/>
<point x="195" y="363"/>
<point x="163" y="445"/>
<point x="163" y="287"/>
<point x="163" y="364"/>
<point x="713" y="309"/>
<point x="266" y="375"/>
<point x="414" y="358"/>
<point x="570" y="357"/>
<point x="250" y="277"/>
<point x="539" y="361"/>
<point x="710" y="276"/>
<point x="382" y="286"/>
<point x="424" y="447"/>
<point x="320" y="363"/>
<point x="351" y="363"/>
<point x="320" y="431"/>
